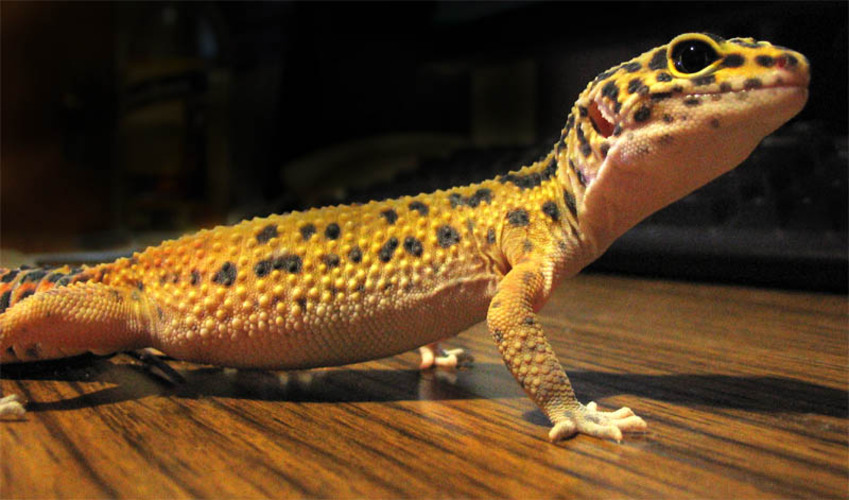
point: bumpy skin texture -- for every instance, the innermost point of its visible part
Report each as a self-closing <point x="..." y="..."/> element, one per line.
<point x="343" y="284"/>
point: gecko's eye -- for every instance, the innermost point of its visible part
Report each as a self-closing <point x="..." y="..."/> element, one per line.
<point x="692" y="56"/>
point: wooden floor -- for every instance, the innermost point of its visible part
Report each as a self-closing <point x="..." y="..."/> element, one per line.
<point x="744" y="391"/>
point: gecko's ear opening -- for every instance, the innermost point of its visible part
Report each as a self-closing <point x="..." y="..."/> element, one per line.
<point x="601" y="124"/>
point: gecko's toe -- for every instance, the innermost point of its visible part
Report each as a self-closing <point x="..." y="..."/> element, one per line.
<point x="602" y="424"/>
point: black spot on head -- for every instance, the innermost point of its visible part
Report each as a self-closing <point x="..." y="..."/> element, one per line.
<point x="725" y="87"/>
<point x="610" y="90"/>
<point x="604" y="148"/>
<point x="743" y="43"/>
<point x="617" y="130"/>
<point x="8" y="277"/>
<point x="33" y="276"/>
<point x="226" y="275"/>
<point x="289" y="263"/>
<point x="4" y="300"/>
<point x="447" y="236"/>
<point x="583" y="111"/>
<point x="307" y="230"/>
<point x="64" y="281"/>
<point x="330" y="260"/>
<point x="632" y="67"/>
<point x="714" y="122"/>
<point x="667" y="118"/>
<point x="356" y="255"/>
<point x="550" y="209"/>
<point x="390" y="215"/>
<point x="692" y="101"/>
<point x="550" y="169"/>
<point x="582" y="179"/>
<point x="268" y="232"/>
<point x="733" y="60"/>
<point x="703" y="80"/>
<point x="636" y="85"/>
<point x="658" y="59"/>
<point x="791" y="60"/>
<point x="570" y="122"/>
<point x="490" y="236"/>
<point x="263" y="267"/>
<point x="604" y="75"/>
<point x="659" y="96"/>
<point x="388" y="248"/>
<point x="752" y="83"/>
<point x="663" y="77"/>
<point x="569" y="199"/>
<point x="420" y="207"/>
<point x="518" y="217"/>
<point x="413" y="246"/>
<point x="302" y="302"/>
<point x="332" y="231"/>
<point x="480" y="195"/>
<point x="194" y="278"/>
<point x="642" y="114"/>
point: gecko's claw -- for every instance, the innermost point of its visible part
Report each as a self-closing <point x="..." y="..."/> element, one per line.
<point x="606" y="425"/>
<point x="11" y="406"/>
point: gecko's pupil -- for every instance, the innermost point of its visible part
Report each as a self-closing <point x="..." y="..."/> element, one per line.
<point x="692" y="56"/>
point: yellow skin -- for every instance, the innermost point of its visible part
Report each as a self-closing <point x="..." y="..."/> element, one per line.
<point x="338" y="285"/>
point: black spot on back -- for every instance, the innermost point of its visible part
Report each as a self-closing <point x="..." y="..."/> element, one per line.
<point x="356" y="255"/>
<point x="456" y="200"/>
<point x="33" y="276"/>
<point x="268" y="232"/>
<point x="307" y="231"/>
<point x="8" y="277"/>
<point x="420" y="207"/>
<point x="480" y="195"/>
<point x="194" y="278"/>
<point x="413" y="246"/>
<point x="550" y="209"/>
<point x="390" y="215"/>
<point x="518" y="217"/>
<point x="289" y="263"/>
<point x="226" y="275"/>
<point x="330" y="260"/>
<point x="262" y="268"/>
<point x="388" y="248"/>
<point x="447" y="236"/>
<point x="54" y="277"/>
<point x="4" y="300"/>
<point x="490" y="236"/>
<point x="332" y="231"/>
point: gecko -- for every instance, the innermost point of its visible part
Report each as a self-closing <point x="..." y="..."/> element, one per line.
<point x="343" y="284"/>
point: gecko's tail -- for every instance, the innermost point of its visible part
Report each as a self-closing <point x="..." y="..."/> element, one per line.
<point x="56" y="313"/>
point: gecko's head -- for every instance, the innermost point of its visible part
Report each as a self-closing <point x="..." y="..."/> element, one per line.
<point x="651" y="130"/>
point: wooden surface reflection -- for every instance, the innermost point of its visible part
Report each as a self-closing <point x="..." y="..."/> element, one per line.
<point x="745" y="393"/>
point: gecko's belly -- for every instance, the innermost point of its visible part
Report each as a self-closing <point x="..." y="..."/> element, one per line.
<point x="375" y="327"/>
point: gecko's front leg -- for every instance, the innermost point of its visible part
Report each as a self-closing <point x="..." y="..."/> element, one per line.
<point x="516" y="329"/>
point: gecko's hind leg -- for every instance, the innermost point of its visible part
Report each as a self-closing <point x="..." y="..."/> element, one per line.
<point x="433" y="356"/>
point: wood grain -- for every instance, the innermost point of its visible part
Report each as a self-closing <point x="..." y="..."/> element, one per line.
<point x="745" y="392"/>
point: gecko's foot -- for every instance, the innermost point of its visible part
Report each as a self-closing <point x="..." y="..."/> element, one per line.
<point x="433" y="356"/>
<point x="11" y="406"/>
<point x="603" y="424"/>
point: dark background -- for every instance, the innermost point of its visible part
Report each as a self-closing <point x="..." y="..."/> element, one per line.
<point x="122" y="122"/>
